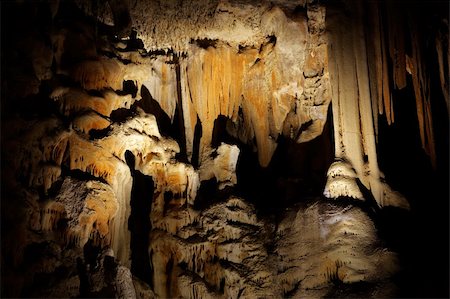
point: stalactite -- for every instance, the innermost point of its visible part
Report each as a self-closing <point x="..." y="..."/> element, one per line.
<point x="162" y="84"/>
<point x="214" y="79"/>
<point x="375" y="61"/>
<point x="421" y="84"/>
<point x="346" y="116"/>
<point x="386" y="82"/>
<point x="365" y="111"/>
<point x="352" y="111"/>
<point x="395" y="21"/>
<point x="443" y="55"/>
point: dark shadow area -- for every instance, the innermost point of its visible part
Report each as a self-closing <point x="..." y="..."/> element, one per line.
<point x="220" y="133"/>
<point x="421" y="236"/>
<point x="139" y="221"/>
<point x="297" y="172"/>
<point x="198" y="132"/>
<point x="150" y="105"/>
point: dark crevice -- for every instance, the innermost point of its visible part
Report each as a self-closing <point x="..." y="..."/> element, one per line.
<point x="122" y="114"/>
<point x="220" y="133"/>
<point x="99" y="134"/>
<point x="80" y="175"/>
<point x="150" y="105"/>
<point x="169" y="269"/>
<point x="139" y="222"/>
<point x="291" y="293"/>
<point x="296" y="173"/>
<point x="179" y="116"/>
<point x="205" y="43"/>
<point x="196" y="143"/>
<point x="408" y="170"/>
<point x="128" y="87"/>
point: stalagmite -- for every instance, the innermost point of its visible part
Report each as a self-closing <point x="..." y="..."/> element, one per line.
<point x="320" y="243"/>
<point x="201" y="252"/>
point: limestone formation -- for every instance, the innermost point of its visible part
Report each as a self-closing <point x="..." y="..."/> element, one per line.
<point x="220" y="76"/>
<point x="321" y="243"/>
<point x="175" y="149"/>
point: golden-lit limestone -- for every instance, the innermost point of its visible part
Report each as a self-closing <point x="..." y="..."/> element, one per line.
<point x="221" y="79"/>
<point x="47" y="145"/>
<point x="255" y="106"/>
<point x="92" y="158"/>
<point x="175" y="24"/>
<point x="161" y="82"/>
<point x="214" y="87"/>
<point x="222" y="166"/>
<point x="258" y="67"/>
<point x="154" y="156"/>
<point x="73" y="100"/>
<point x="86" y="207"/>
<point x="99" y="74"/>
<point x="90" y="121"/>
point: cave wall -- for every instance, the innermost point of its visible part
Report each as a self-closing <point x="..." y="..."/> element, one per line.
<point x="102" y="100"/>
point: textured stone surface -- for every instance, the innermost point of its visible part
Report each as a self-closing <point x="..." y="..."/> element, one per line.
<point x="182" y="102"/>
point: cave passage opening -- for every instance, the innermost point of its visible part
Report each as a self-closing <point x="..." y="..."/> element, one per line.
<point x="139" y="223"/>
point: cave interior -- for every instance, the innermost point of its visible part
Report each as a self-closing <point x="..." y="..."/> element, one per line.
<point x="225" y="149"/>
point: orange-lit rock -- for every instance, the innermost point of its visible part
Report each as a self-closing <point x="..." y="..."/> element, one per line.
<point x="179" y="149"/>
<point x="90" y="121"/>
<point x="72" y="100"/>
<point x="87" y="209"/>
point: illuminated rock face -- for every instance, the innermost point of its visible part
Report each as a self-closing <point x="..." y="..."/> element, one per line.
<point x="230" y="77"/>
<point x="354" y="112"/>
<point x="267" y="73"/>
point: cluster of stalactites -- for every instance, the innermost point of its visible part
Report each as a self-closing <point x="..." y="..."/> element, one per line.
<point x="395" y="36"/>
<point x="353" y="84"/>
<point x="259" y="67"/>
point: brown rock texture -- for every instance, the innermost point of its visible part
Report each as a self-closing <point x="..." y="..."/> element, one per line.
<point x="179" y="149"/>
